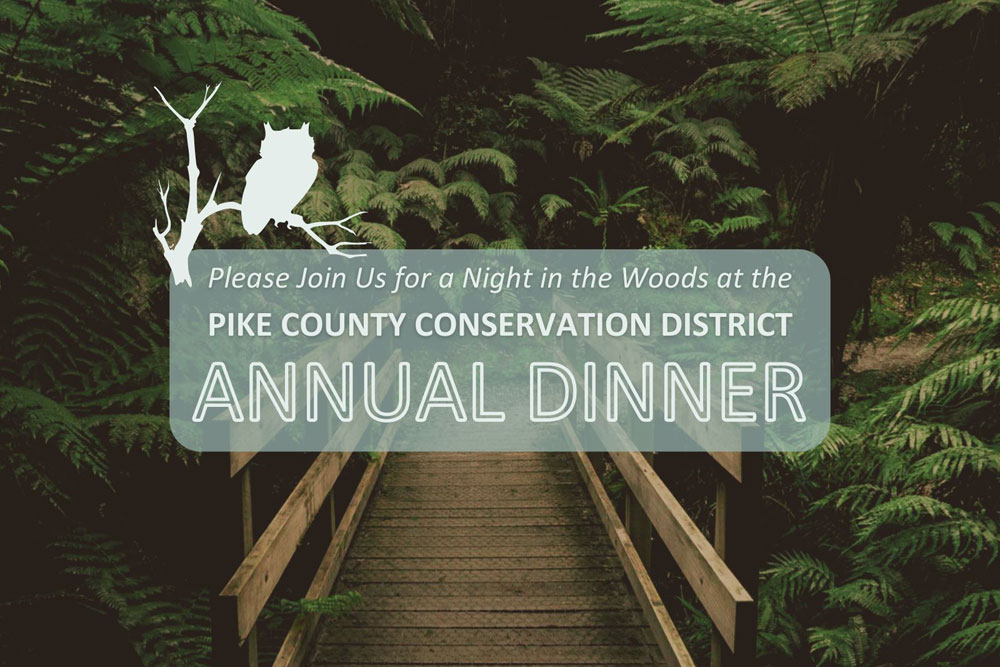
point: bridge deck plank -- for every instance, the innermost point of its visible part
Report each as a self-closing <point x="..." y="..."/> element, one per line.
<point x="467" y="559"/>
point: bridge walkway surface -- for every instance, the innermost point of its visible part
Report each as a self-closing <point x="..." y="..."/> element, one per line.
<point x="484" y="559"/>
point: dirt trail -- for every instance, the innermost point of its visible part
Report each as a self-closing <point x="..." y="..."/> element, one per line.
<point x="882" y="354"/>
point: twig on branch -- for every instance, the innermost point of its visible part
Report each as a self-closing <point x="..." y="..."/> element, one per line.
<point x="162" y="236"/>
<point x="296" y="221"/>
<point x="194" y="219"/>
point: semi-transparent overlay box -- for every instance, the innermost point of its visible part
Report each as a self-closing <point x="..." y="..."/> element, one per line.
<point x="530" y="350"/>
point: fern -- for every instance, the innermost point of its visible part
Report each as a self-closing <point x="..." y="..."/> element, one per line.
<point x="380" y="236"/>
<point x="92" y="69"/>
<point x="423" y="189"/>
<point x="877" y="593"/>
<point x="474" y="241"/>
<point x="796" y="52"/>
<point x="424" y="167"/>
<point x="385" y="139"/>
<point x="846" y="645"/>
<point x="333" y="606"/>
<point x="550" y="205"/>
<point x="977" y="372"/>
<point x="490" y="157"/>
<point x="970" y="610"/>
<point x="796" y="574"/>
<point x="913" y="543"/>
<point x="589" y="102"/>
<point x="473" y="192"/>
<point x="163" y="629"/>
<point x="948" y="465"/>
<point x="969" y="243"/>
<point x="974" y="643"/>
<point x="406" y="14"/>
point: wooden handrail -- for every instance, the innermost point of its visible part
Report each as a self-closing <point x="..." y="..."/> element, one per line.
<point x="724" y="575"/>
<point x="254" y="581"/>
<point x="254" y="436"/>
<point x="718" y="439"/>
<point x="664" y="631"/>
<point x="293" y="649"/>
<point x="250" y="581"/>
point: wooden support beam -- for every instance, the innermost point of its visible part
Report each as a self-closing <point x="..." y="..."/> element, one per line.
<point x="296" y="643"/>
<point x="258" y="574"/>
<point x="664" y="631"/>
<point x="246" y="505"/>
<point x="232" y="516"/>
<point x="640" y="529"/>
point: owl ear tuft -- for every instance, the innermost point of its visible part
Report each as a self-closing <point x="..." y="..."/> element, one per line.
<point x="305" y="126"/>
<point x="267" y="129"/>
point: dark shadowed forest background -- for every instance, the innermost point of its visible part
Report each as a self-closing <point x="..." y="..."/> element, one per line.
<point x="867" y="131"/>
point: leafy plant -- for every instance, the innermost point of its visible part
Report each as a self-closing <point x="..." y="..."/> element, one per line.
<point x="439" y="194"/>
<point x="797" y="52"/>
<point x="333" y="606"/>
<point x="590" y="102"/>
<point x="164" y="628"/>
<point x="903" y="562"/>
<point x="599" y="207"/>
<point x="969" y="243"/>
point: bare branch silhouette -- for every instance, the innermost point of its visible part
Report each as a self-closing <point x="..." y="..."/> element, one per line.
<point x="296" y="221"/>
<point x="194" y="218"/>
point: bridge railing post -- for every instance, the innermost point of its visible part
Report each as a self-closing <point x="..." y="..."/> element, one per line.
<point x="737" y="514"/>
<point x="640" y="528"/>
<point x="235" y="502"/>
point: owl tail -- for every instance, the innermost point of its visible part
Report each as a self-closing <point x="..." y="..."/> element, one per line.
<point x="254" y="222"/>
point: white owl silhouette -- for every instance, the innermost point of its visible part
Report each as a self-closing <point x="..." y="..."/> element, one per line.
<point x="278" y="181"/>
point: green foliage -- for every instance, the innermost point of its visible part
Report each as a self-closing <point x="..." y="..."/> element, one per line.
<point x="476" y="157"/>
<point x="333" y="606"/>
<point x="970" y="244"/>
<point x="87" y="70"/>
<point x="84" y="380"/>
<point x="444" y="195"/>
<point x="550" y="205"/>
<point x="588" y="102"/>
<point x="163" y="628"/>
<point x="83" y="362"/>
<point x="406" y="15"/>
<point x="34" y="425"/>
<point x="903" y="541"/>
<point x="699" y="141"/>
<point x="798" y="52"/>
<point x="597" y="205"/>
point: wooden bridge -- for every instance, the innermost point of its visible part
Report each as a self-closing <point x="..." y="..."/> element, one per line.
<point x="489" y="558"/>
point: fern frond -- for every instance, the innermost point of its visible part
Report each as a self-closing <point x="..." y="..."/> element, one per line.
<point x="846" y="645"/>
<point x="490" y="157"/>
<point x="424" y="167"/>
<point x="380" y="236"/>
<point x="162" y="628"/>
<point x="471" y="191"/>
<point x="388" y="203"/>
<point x="797" y="573"/>
<point x="333" y="606"/>
<point x="549" y="206"/>
<point x="970" y="610"/>
<point x="975" y="644"/>
<point x="355" y="191"/>
<point x="977" y="372"/>
<point x="470" y="240"/>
